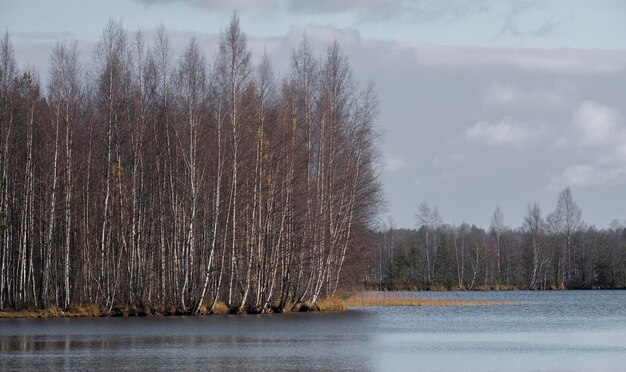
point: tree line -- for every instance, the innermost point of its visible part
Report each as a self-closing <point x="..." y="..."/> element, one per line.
<point x="150" y="177"/>
<point x="554" y="251"/>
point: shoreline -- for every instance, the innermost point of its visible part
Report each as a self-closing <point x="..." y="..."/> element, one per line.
<point x="332" y="304"/>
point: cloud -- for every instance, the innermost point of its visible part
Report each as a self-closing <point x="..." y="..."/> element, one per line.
<point x="598" y="130"/>
<point x="546" y="29"/>
<point x="43" y="35"/>
<point x="518" y="11"/>
<point x="363" y="10"/>
<point x="394" y="163"/>
<point x="505" y="132"/>
<point x="405" y="10"/>
<point x="566" y="60"/>
<point x="319" y="35"/>
<point x="446" y="159"/>
<point x="599" y="127"/>
<point x="216" y="5"/>
<point x="595" y="124"/>
<point x="512" y="28"/>
<point x="561" y="96"/>
<point x="586" y="176"/>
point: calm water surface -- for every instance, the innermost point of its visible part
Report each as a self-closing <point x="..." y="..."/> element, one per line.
<point x="544" y="331"/>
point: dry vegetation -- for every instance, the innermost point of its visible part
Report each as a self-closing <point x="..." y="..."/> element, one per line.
<point x="399" y="300"/>
<point x="53" y="311"/>
<point x="220" y="308"/>
<point x="331" y="304"/>
<point x="324" y="304"/>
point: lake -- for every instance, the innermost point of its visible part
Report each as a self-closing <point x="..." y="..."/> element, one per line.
<point x="543" y="331"/>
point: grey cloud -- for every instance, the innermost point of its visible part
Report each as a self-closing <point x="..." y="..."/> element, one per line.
<point x="546" y="29"/>
<point x="216" y="5"/>
<point x="377" y="10"/>
<point x="517" y="9"/>
<point x="319" y="36"/>
<point x="372" y="11"/>
<point x="584" y="175"/>
<point x="394" y="162"/>
<point x="506" y="132"/>
<point x="511" y="28"/>
<point x="365" y="10"/>
<point x="428" y="93"/>
<point x="44" y="35"/>
<point x="562" y="95"/>
<point x="442" y="159"/>
<point x="540" y="60"/>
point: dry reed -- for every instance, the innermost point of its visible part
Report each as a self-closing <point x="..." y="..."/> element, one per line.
<point x="397" y="300"/>
<point x="331" y="304"/>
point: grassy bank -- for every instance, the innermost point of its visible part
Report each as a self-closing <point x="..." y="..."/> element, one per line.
<point x="325" y="304"/>
<point x="93" y="311"/>
<point x="54" y="312"/>
<point x="84" y="311"/>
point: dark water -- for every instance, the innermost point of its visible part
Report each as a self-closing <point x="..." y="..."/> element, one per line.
<point x="547" y="331"/>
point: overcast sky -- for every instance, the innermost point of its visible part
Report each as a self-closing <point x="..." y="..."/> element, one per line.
<point x="482" y="103"/>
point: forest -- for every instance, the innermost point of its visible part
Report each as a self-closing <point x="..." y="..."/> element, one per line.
<point x="147" y="176"/>
<point x="554" y="251"/>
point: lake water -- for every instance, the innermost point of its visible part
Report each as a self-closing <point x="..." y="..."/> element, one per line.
<point x="544" y="331"/>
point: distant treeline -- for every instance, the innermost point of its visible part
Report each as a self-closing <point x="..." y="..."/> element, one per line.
<point x="146" y="177"/>
<point x="554" y="252"/>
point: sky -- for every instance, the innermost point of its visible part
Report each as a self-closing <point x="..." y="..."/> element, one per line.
<point x="482" y="103"/>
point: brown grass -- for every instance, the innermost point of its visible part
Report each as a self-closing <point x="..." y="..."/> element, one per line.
<point x="323" y="304"/>
<point x="331" y="304"/>
<point x="85" y="310"/>
<point x="396" y="300"/>
<point x="52" y="311"/>
<point x="220" y="308"/>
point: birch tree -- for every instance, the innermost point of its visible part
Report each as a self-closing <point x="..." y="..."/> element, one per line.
<point x="497" y="226"/>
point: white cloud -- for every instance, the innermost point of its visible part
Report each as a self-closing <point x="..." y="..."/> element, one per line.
<point x="598" y="127"/>
<point x="598" y="130"/>
<point x="505" y="132"/>
<point x="394" y="163"/>
<point x="586" y="176"/>
<point x="561" y="96"/>
<point x="595" y="124"/>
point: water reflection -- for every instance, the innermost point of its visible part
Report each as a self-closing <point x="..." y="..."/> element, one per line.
<point x="544" y="331"/>
<point x="301" y="341"/>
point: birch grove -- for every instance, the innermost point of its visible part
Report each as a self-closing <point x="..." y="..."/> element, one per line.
<point x="153" y="177"/>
